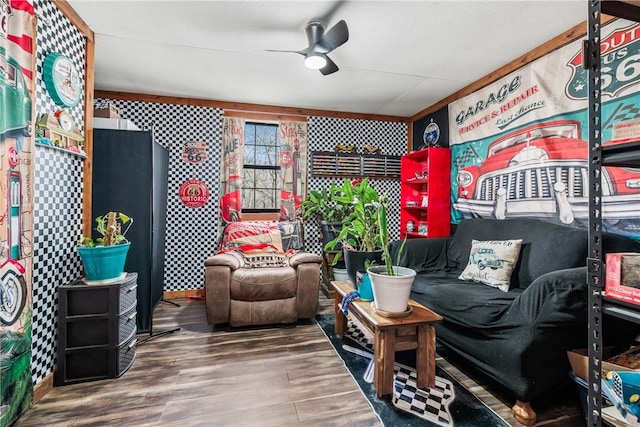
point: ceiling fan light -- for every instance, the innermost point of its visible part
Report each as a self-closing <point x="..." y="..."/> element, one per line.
<point x="315" y="61"/>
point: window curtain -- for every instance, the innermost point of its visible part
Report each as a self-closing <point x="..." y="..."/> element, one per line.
<point x="231" y="170"/>
<point x="293" y="167"/>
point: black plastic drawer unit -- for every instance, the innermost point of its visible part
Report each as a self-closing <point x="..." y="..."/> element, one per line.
<point x="96" y="330"/>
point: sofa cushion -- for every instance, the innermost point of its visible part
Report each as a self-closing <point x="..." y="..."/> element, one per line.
<point x="464" y="303"/>
<point x="492" y="262"/>
<point x="263" y="284"/>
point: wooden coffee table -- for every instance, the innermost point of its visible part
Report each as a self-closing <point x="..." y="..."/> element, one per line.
<point x="414" y="331"/>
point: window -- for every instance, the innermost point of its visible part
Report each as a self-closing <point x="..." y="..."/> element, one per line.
<point x="260" y="184"/>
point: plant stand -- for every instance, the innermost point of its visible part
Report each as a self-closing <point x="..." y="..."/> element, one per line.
<point x="413" y="332"/>
<point x="327" y="272"/>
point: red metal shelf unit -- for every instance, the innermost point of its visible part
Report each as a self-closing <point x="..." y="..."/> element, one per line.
<point x="425" y="193"/>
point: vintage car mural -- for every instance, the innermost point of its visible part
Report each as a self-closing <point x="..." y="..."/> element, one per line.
<point x="230" y="201"/>
<point x="542" y="171"/>
<point x="14" y="92"/>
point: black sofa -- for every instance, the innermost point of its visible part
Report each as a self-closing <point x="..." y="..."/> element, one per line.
<point x="518" y="338"/>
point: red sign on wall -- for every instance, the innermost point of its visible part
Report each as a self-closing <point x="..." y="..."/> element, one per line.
<point x="193" y="193"/>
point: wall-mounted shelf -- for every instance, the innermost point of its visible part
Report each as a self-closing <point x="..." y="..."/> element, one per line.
<point x="354" y="165"/>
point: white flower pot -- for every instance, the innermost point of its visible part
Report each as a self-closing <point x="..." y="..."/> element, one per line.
<point x="340" y="274"/>
<point x="391" y="293"/>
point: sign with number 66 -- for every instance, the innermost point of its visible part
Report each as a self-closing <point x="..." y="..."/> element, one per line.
<point x="194" y="152"/>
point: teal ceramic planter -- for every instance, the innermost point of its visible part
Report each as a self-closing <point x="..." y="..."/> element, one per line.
<point x="364" y="286"/>
<point x="104" y="262"/>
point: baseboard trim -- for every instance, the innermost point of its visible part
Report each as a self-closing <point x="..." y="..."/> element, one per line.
<point x="198" y="293"/>
<point x="42" y="388"/>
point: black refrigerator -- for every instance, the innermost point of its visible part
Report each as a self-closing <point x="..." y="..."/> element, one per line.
<point x="130" y="175"/>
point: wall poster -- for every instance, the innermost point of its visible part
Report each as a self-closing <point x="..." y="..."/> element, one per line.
<point x="519" y="145"/>
<point x="293" y="167"/>
<point x="17" y="85"/>
<point x="231" y="169"/>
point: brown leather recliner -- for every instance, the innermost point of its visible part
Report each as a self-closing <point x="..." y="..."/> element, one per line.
<point x="242" y="296"/>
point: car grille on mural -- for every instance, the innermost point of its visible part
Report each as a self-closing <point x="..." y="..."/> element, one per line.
<point x="542" y="163"/>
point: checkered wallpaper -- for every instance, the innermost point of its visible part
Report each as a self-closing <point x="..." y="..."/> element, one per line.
<point x="57" y="196"/>
<point x="55" y="33"/>
<point x="57" y="229"/>
<point x="191" y="234"/>
<point x="325" y="133"/>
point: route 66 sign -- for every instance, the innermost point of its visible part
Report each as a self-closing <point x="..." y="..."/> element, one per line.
<point x="193" y="193"/>
<point x="194" y="152"/>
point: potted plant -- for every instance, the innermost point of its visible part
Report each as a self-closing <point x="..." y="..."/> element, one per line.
<point x="359" y="235"/>
<point x="322" y="205"/>
<point x="103" y="259"/>
<point x="390" y="283"/>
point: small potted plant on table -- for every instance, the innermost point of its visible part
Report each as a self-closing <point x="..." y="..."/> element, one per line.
<point x="103" y="259"/>
<point x="390" y="283"/>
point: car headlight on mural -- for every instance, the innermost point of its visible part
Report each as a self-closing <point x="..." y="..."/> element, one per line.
<point x="464" y="179"/>
<point x="633" y="183"/>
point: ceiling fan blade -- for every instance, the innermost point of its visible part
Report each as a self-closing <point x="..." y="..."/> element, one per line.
<point x="329" y="14"/>
<point x="301" y="52"/>
<point x="330" y="68"/>
<point x="336" y="36"/>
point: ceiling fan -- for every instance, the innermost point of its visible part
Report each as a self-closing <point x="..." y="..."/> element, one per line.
<point x="320" y="44"/>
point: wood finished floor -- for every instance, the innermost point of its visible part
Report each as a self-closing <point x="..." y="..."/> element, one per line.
<point x="274" y="376"/>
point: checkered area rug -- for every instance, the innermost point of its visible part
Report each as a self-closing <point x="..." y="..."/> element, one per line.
<point x="429" y="403"/>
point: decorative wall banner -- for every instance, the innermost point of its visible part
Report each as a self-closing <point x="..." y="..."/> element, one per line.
<point x="194" y="152"/>
<point x="17" y="88"/>
<point x="293" y="167"/>
<point x="519" y="146"/>
<point x="231" y="170"/>
<point x="193" y="193"/>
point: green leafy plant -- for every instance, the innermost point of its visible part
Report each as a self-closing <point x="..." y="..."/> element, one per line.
<point x="383" y="231"/>
<point x="324" y="207"/>
<point x="109" y="226"/>
<point x="359" y="228"/>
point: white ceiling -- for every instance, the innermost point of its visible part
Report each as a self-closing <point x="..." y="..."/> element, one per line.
<point x="401" y="57"/>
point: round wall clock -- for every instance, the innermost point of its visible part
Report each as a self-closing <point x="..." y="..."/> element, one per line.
<point x="66" y="122"/>
<point x="62" y="80"/>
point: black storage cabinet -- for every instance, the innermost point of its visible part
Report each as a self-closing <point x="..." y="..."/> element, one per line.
<point x="96" y="330"/>
<point x="130" y="175"/>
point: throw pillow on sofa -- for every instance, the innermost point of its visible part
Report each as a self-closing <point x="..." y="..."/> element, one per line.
<point x="492" y="262"/>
